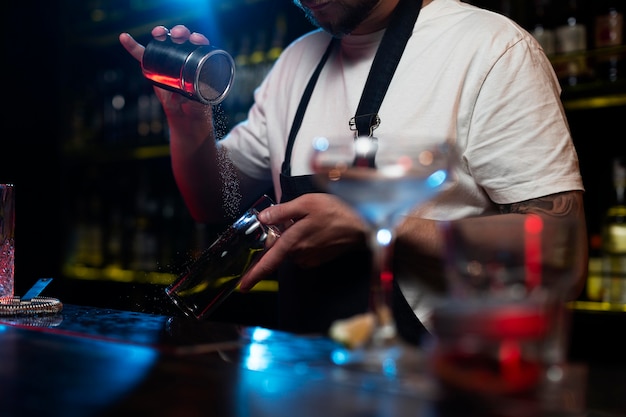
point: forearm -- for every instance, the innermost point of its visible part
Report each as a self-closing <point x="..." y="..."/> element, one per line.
<point x="208" y="183"/>
<point x="421" y="244"/>
<point x="419" y="252"/>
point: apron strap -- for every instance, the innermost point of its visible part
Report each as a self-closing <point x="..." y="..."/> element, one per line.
<point x="304" y="101"/>
<point x="366" y="120"/>
<point x="384" y="65"/>
<point x="381" y="72"/>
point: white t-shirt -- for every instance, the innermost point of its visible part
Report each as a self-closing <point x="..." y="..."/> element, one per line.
<point x="467" y="75"/>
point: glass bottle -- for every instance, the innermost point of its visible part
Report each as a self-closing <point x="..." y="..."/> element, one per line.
<point x="542" y="28"/>
<point x="571" y="40"/>
<point x="609" y="32"/>
<point x="614" y="240"/>
<point x="594" y="285"/>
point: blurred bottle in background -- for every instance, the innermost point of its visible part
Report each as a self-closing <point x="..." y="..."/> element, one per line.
<point x="571" y="39"/>
<point x="609" y="32"/>
<point x="614" y="240"/>
<point x="542" y="27"/>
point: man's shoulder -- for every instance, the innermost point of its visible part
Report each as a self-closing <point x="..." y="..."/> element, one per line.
<point x="311" y="43"/>
<point x="470" y="28"/>
<point x="304" y="52"/>
<point x="472" y="19"/>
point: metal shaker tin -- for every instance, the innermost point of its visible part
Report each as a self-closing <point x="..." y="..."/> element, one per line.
<point x="200" y="72"/>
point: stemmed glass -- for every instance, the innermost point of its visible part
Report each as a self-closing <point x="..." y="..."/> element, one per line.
<point x="404" y="175"/>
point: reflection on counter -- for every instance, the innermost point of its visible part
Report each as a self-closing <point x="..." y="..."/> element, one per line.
<point x="109" y="362"/>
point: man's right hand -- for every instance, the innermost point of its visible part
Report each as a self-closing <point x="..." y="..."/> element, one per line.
<point x="178" y="34"/>
<point x="176" y="106"/>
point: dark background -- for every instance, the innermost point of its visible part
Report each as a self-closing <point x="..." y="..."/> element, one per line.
<point x="33" y="84"/>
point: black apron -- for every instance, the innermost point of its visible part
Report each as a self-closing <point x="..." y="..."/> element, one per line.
<point x="310" y="299"/>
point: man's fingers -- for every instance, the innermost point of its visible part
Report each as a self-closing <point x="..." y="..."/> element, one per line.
<point x="198" y="39"/>
<point x="160" y="32"/>
<point x="268" y="263"/>
<point x="179" y="34"/>
<point x="132" y="46"/>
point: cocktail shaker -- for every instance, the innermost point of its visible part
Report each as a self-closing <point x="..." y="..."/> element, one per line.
<point x="200" y="72"/>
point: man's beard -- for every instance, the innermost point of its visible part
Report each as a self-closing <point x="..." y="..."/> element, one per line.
<point x="350" y="19"/>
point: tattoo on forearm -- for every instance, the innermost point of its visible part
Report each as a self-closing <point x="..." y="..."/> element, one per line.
<point x="561" y="204"/>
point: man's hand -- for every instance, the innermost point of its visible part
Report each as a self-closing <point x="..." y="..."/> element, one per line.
<point x="178" y="34"/>
<point x="178" y="108"/>
<point x="321" y="228"/>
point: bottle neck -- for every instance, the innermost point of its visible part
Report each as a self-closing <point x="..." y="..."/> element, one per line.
<point x="619" y="182"/>
<point x="619" y="195"/>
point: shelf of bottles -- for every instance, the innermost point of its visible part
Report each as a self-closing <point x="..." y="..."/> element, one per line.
<point x="585" y="43"/>
<point x="125" y="218"/>
<point x="584" y="39"/>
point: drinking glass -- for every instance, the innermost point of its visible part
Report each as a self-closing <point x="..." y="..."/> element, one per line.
<point x="504" y="326"/>
<point x="404" y="175"/>
<point x="7" y="242"/>
<point x="217" y="272"/>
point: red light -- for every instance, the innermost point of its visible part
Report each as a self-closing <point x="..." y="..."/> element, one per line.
<point x="165" y="80"/>
<point x="510" y="358"/>
<point x="533" y="226"/>
<point x="386" y="276"/>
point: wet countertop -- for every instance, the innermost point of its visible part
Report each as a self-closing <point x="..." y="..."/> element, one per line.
<point x="87" y="361"/>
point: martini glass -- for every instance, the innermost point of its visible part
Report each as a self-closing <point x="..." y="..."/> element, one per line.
<point x="383" y="181"/>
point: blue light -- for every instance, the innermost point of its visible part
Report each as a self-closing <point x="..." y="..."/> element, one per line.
<point x="390" y="367"/>
<point x="117" y="370"/>
<point x="260" y="334"/>
<point x="258" y="357"/>
<point x="320" y="144"/>
<point x="340" y="356"/>
<point x="437" y="178"/>
<point x="198" y="15"/>
<point x="383" y="236"/>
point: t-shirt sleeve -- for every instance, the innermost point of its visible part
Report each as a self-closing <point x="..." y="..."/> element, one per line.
<point x="520" y="145"/>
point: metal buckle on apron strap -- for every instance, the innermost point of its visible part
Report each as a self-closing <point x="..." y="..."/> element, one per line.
<point x="366" y="145"/>
<point x="357" y="124"/>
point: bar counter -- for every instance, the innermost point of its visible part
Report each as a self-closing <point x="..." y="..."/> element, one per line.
<point x="90" y="361"/>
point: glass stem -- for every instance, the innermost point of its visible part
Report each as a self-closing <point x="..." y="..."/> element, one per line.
<point x="381" y="287"/>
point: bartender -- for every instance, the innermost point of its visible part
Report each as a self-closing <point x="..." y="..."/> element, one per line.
<point x="470" y="76"/>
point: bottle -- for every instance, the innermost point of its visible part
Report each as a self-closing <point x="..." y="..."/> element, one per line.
<point x="210" y="278"/>
<point x="609" y="32"/>
<point x="614" y="240"/>
<point x="571" y="40"/>
<point x="542" y="28"/>
<point x="593" y="287"/>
